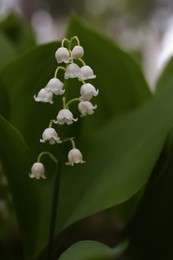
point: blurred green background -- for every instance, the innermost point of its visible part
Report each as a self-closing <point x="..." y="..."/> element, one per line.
<point x="143" y="28"/>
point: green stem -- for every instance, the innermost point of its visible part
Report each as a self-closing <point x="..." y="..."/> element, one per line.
<point x="68" y="139"/>
<point x="51" y="123"/>
<point x="63" y="42"/>
<point x="73" y="143"/>
<point x="63" y="102"/>
<point x="83" y="63"/>
<point x="75" y="38"/>
<point x="54" y="212"/>
<point x="49" y="154"/>
<point x="71" y="101"/>
<point x="57" y="69"/>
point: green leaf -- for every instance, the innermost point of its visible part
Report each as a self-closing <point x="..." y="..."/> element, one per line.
<point x="14" y="156"/>
<point x="154" y="216"/>
<point x="7" y="50"/>
<point x="119" y="79"/>
<point x="120" y="159"/>
<point x="166" y="76"/>
<point x="87" y="250"/>
<point x="152" y="226"/>
<point x="18" y="32"/>
<point x="4" y="101"/>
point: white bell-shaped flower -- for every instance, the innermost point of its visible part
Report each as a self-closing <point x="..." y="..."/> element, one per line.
<point x="65" y="116"/>
<point x="86" y="108"/>
<point x="86" y="73"/>
<point x="74" y="156"/>
<point x="72" y="71"/>
<point x="44" y="95"/>
<point x="37" y="171"/>
<point x="77" y="52"/>
<point x="55" y="86"/>
<point x="50" y="135"/>
<point x="87" y="91"/>
<point x="62" y="55"/>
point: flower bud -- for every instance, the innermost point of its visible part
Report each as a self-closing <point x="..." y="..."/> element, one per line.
<point x="37" y="171"/>
<point x="86" y="73"/>
<point x="44" y="96"/>
<point x="55" y="86"/>
<point x="65" y="116"/>
<point x="77" y="52"/>
<point x="86" y="108"/>
<point x="72" y="71"/>
<point x="62" y="55"/>
<point x="87" y="91"/>
<point x="74" y="156"/>
<point x="50" y="135"/>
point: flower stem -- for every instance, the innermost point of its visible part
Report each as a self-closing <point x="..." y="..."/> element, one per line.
<point x="63" y="42"/>
<point x="71" y="101"/>
<point x="57" y="69"/>
<point x="75" y="38"/>
<point x="47" y="153"/>
<point x="54" y="212"/>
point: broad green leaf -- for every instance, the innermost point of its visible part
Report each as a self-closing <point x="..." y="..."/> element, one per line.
<point x="18" y="32"/>
<point x="119" y="79"/>
<point x="28" y="74"/>
<point x="4" y="101"/>
<point x="14" y="156"/>
<point x="120" y="159"/>
<point x="166" y="76"/>
<point x="87" y="250"/>
<point x="152" y="226"/>
<point x="7" y="50"/>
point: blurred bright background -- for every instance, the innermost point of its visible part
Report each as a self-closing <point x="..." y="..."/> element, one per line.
<point x="143" y="28"/>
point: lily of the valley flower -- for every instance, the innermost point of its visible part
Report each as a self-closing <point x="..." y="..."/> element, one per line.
<point x="37" y="171"/>
<point x="86" y="73"/>
<point x="77" y="52"/>
<point x="55" y="86"/>
<point x="50" y="135"/>
<point x="87" y="91"/>
<point x="62" y="55"/>
<point x="44" y="95"/>
<point x="72" y="71"/>
<point x="86" y="108"/>
<point x="65" y="116"/>
<point x="74" y="156"/>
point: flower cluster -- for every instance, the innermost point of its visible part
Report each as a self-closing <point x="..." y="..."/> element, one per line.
<point x="69" y="55"/>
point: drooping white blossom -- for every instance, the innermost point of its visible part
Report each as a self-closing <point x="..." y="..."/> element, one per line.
<point x="86" y="108"/>
<point x="44" y="96"/>
<point x="65" y="116"/>
<point x="77" y="52"/>
<point x="50" y="135"/>
<point x="74" y="156"/>
<point x="72" y="71"/>
<point x="87" y="91"/>
<point x="37" y="171"/>
<point x="62" y="55"/>
<point x="55" y="86"/>
<point x="86" y="73"/>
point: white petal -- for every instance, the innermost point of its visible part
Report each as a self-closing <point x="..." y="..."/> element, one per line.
<point x="77" y="52"/>
<point x="37" y="171"/>
<point x="74" y="156"/>
<point x="44" y="96"/>
<point x="62" y="55"/>
<point x="87" y="73"/>
<point x="72" y="71"/>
